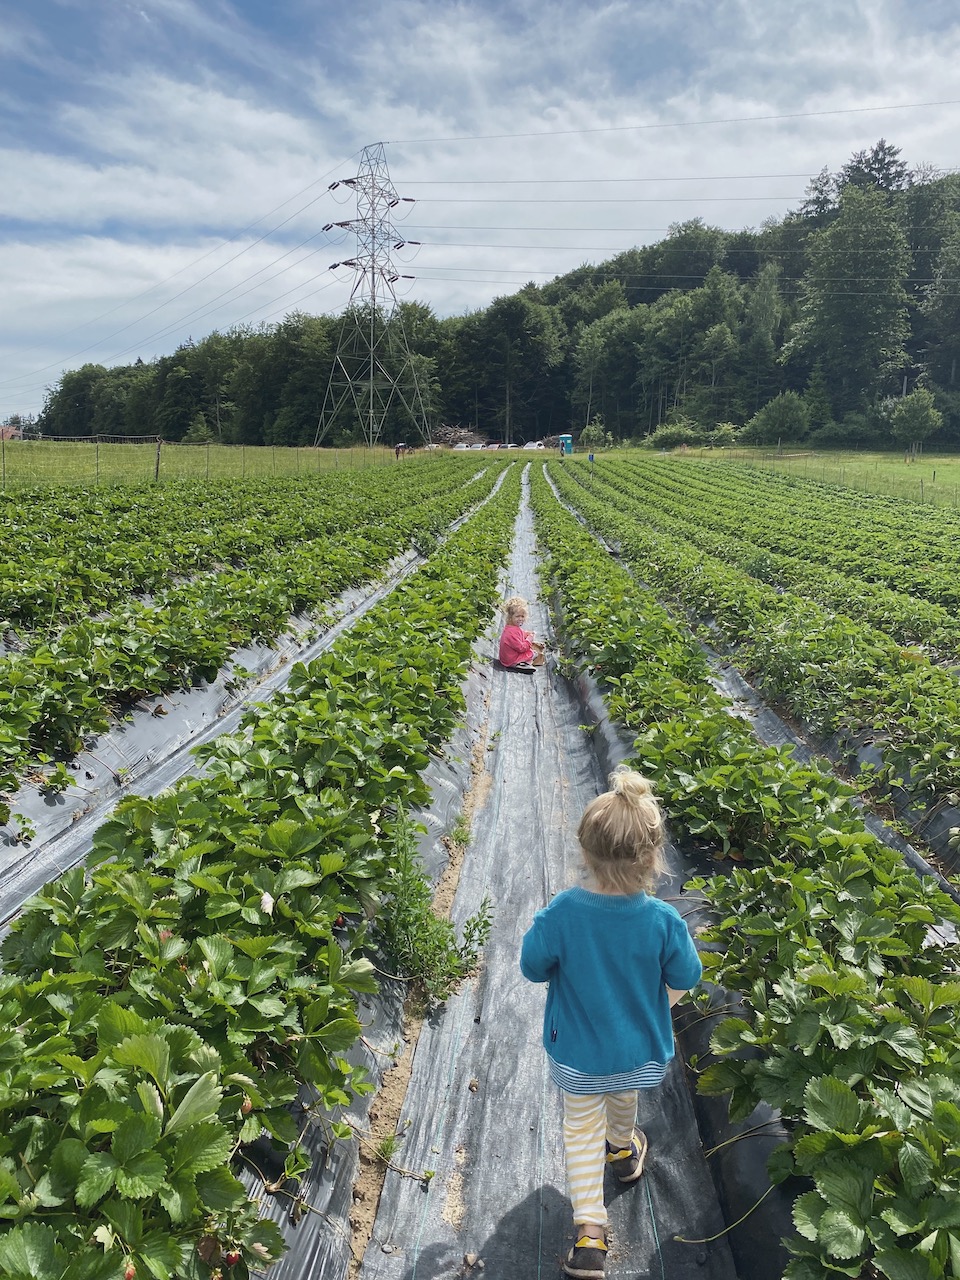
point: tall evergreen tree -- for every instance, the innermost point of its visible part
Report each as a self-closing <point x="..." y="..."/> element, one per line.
<point x="879" y="168"/>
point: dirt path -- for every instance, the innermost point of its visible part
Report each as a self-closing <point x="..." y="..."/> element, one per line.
<point x="480" y="1110"/>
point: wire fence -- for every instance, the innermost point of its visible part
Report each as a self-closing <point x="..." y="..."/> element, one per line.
<point x="143" y="459"/>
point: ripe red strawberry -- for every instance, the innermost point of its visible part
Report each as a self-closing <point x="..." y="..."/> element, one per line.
<point x="232" y="1257"/>
<point x="340" y="921"/>
<point x="130" y="1272"/>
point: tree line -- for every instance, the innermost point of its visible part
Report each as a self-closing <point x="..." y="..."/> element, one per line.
<point x="814" y="327"/>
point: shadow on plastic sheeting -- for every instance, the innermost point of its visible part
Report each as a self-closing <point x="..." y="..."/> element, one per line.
<point x="526" y="1243"/>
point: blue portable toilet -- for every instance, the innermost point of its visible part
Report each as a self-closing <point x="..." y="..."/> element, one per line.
<point x="566" y="444"/>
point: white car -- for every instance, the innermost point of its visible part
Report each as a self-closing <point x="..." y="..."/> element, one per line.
<point x="534" y="444"/>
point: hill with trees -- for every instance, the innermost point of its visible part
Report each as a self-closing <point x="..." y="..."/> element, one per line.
<point x="816" y="327"/>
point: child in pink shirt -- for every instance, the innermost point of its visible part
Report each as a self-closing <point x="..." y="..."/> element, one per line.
<point x="517" y="647"/>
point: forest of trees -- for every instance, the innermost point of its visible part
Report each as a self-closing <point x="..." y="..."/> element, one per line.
<point x="814" y="327"/>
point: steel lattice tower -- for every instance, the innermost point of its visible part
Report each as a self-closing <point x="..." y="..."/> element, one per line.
<point x="374" y="368"/>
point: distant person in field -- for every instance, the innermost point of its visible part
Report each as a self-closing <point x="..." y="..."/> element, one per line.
<point x="518" y="649"/>
<point x="615" y="960"/>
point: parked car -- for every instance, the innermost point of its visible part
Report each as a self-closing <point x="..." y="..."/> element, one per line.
<point x="463" y="446"/>
<point x="534" y="444"/>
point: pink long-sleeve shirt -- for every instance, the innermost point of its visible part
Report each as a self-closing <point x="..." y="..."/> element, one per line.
<point x="515" y="646"/>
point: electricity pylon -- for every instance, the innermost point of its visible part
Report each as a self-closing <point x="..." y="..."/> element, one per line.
<point x="373" y="367"/>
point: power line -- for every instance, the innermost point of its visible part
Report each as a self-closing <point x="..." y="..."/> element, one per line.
<point x="677" y="124"/>
<point x="205" y="308"/>
<point x="545" y="182"/>
<point x="180" y="271"/>
<point x="208" y="307"/>
<point x="604" y="200"/>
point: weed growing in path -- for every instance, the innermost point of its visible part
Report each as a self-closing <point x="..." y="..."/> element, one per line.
<point x="422" y="946"/>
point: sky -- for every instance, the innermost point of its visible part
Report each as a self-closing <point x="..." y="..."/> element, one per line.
<point x="167" y="167"/>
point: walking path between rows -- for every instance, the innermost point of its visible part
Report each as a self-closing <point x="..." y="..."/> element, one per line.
<point x="480" y="1109"/>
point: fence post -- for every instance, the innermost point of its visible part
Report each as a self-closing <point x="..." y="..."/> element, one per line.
<point x="208" y="459"/>
<point x="243" y="464"/>
<point x="156" y="468"/>
<point x="97" y="455"/>
<point x="3" y="450"/>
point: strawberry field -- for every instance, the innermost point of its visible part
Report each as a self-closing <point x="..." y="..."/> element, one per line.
<point x="198" y="989"/>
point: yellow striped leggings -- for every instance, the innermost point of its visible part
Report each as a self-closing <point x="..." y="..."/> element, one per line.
<point x="589" y="1121"/>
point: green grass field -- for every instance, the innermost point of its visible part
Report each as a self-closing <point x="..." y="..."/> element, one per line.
<point x="77" y="462"/>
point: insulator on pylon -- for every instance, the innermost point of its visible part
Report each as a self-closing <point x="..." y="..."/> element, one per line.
<point x="399" y="244"/>
<point x="333" y="186"/>
<point x="328" y="226"/>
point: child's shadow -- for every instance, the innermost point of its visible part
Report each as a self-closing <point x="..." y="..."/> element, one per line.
<point x="527" y="1242"/>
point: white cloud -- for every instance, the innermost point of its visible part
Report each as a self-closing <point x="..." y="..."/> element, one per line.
<point x="164" y="127"/>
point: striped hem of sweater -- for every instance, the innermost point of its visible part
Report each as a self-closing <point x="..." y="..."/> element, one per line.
<point x="571" y="1081"/>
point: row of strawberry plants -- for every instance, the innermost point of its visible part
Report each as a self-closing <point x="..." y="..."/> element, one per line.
<point x="833" y="673"/>
<point x="70" y="685"/>
<point x="166" y="1010"/>
<point x="793" y="554"/>
<point x="882" y="539"/>
<point x="69" y="553"/>
<point x="834" y="945"/>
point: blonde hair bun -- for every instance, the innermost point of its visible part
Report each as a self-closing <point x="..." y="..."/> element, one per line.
<point x="631" y="785"/>
<point x="622" y="834"/>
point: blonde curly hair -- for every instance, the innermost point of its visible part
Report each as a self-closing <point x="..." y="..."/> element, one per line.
<point x="622" y="834"/>
<point x="514" y="607"/>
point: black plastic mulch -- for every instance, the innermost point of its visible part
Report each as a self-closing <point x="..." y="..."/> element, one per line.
<point x="480" y="1109"/>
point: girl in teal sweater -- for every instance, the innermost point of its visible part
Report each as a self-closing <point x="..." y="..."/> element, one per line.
<point x="616" y="960"/>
